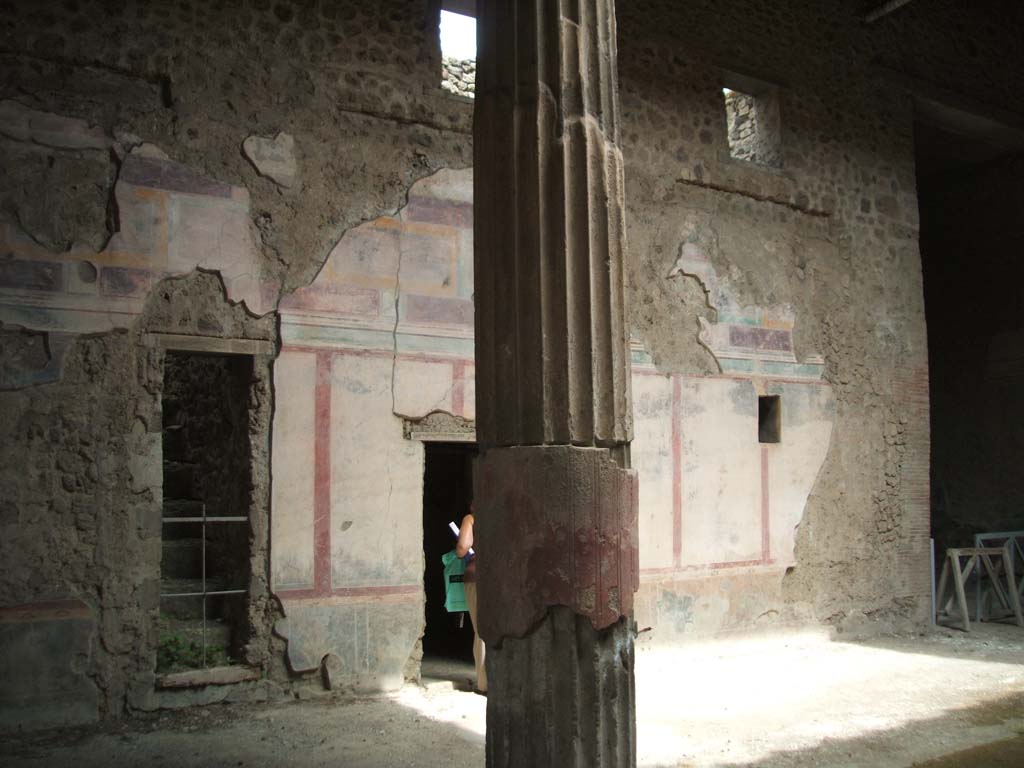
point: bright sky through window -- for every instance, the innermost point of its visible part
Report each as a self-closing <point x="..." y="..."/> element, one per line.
<point x="458" y="36"/>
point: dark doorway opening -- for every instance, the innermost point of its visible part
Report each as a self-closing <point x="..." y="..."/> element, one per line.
<point x="447" y="493"/>
<point x="970" y="185"/>
<point x="206" y="541"/>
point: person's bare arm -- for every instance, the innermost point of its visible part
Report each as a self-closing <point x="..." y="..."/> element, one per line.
<point x="465" y="536"/>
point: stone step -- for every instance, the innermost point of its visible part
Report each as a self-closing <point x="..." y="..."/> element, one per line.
<point x="182" y="507"/>
<point x="433" y="685"/>
<point x="210" y="676"/>
<point x="183" y="584"/>
<point x="181" y="558"/>
<point x="172" y="408"/>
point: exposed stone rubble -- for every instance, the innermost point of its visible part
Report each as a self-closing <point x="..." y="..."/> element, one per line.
<point x="57" y="177"/>
<point x="458" y="76"/>
<point x="753" y="127"/>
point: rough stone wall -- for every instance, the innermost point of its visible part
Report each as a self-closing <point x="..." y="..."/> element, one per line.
<point x="81" y="527"/>
<point x="82" y="521"/>
<point x="752" y="125"/>
<point x="971" y="227"/>
<point x="459" y="76"/>
<point x="741" y="124"/>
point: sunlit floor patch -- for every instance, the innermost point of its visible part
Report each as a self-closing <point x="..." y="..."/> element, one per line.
<point x="465" y="710"/>
<point x="786" y="702"/>
<point x="805" y="700"/>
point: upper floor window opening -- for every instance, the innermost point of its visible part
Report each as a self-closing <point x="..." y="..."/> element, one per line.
<point x="752" y="120"/>
<point x="458" y="47"/>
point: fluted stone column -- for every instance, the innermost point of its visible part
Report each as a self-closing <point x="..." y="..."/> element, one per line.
<point x="556" y="500"/>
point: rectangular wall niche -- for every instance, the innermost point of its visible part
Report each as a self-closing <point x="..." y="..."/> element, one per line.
<point x="769" y="419"/>
<point x="752" y="121"/>
<point x="205" y="560"/>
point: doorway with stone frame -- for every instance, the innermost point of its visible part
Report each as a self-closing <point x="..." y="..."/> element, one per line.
<point x="447" y="493"/>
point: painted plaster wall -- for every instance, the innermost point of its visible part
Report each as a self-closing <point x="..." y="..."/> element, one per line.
<point x="172" y="220"/>
<point x="385" y="331"/>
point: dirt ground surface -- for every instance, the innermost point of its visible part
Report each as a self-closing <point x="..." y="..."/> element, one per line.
<point x="941" y="699"/>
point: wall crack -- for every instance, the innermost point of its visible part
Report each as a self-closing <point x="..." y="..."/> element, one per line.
<point x="773" y="199"/>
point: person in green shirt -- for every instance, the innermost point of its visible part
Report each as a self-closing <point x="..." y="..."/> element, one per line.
<point x="454" y="583"/>
<point x="462" y="548"/>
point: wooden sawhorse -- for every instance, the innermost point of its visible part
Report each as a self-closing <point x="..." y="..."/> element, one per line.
<point x="976" y="557"/>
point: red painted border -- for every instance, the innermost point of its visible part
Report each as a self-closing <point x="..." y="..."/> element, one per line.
<point x="374" y="591"/>
<point x="702" y="567"/>
<point x="383" y="353"/>
<point x="733" y="377"/>
<point x="454" y="360"/>
<point x="459" y="388"/>
<point x="766" y="537"/>
<point x="677" y="471"/>
<point x="322" y="476"/>
<point x="49" y="610"/>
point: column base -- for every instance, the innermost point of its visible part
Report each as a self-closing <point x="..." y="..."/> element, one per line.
<point x="563" y="695"/>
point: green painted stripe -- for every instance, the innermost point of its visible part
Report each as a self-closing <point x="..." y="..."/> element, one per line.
<point x="792" y="370"/>
<point x="737" y="319"/>
<point x="731" y="365"/>
<point x="641" y="357"/>
<point x="364" y="338"/>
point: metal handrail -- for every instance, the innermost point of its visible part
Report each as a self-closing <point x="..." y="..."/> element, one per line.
<point x="205" y="593"/>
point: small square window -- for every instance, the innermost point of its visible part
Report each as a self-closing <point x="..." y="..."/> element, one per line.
<point x="458" y="48"/>
<point x="753" y="125"/>
<point x="769" y="419"/>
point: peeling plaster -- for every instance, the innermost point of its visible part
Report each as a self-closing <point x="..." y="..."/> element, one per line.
<point x="394" y="328"/>
<point x="167" y="220"/>
<point x="274" y="158"/>
<point x="46" y="129"/>
<point x="743" y="338"/>
<point x="677" y="271"/>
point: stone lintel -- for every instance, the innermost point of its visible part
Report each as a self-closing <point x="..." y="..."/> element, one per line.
<point x="197" y="678"/>
<point x="208" y="344"/>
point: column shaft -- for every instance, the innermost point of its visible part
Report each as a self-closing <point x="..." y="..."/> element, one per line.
<point x="556" y="500"/>
<point x="552" y="345"/>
